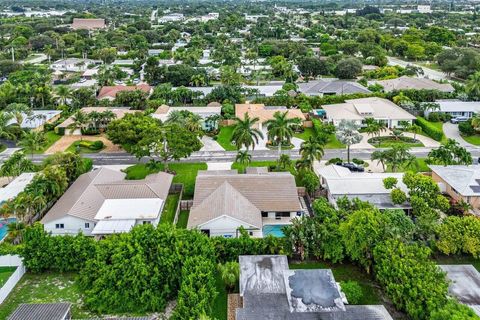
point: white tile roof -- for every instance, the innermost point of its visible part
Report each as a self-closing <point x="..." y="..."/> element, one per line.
<point x="16" y="186"/>
<point x="464" y="179"/>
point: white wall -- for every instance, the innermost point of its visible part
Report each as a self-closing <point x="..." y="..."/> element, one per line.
<point x="226" y="226"/>
<point x="11" y="261"/>
<point x="73" y="225"/>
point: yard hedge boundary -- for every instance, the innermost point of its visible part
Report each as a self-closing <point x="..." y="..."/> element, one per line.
<point x="430" y="130"/>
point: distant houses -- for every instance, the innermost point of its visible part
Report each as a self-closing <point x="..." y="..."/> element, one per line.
<point x="88" y="24"/>
<point x="163" y="112"/>
<point x="324" y="87"/>
<point x="405" y="83"/>
<point x="110" y="92"/>
<point x="102" y="202"/>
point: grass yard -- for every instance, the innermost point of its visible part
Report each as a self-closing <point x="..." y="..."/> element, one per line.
<point x="183" y="219"/>
<point x="168" y="214"/>
<point x="50" y="138"/>
<point x="5" y="273"/>
<point x="418" y="166"/>
<point x="348" y="272"/>
<point x="73" y="148"/>
<point x="307" y="133"/>
<point x="388" y="142"/>
<point x="333" y="143"/>
<point x="186" y="173"/>
<point x="224" y="137"/>
<point x="219" y="309"/>
<point x="458" y="260"/>
<point x="46" y="288"/>
<point x="474" y="139"/>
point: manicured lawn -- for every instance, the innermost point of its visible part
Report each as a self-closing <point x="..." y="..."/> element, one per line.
<point x="183" y="219"/>
<point x="475" y="139"/>
<point x="388" y="142"/>
<point x="307" y="133"/>
<point x="186" y="173"/>
<point x="458" y="260"/>
<point x="239" y="167"/>
<point x="348" y="272"/>
<point x="418" y="166"/>
<point x="5" y="273"/>
<point x="46" y="288"/>
<point x="333" y="143"/>
<point x="73" y="148"/>
<point x="219" y="309"/>
<point x="168" y="214"/>
<point x="224" y="138"/>
<point x="50" y="138"/>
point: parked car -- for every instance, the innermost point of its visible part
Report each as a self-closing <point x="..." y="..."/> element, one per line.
<point x="351" y="166"/>
<point x="458" y="120"/>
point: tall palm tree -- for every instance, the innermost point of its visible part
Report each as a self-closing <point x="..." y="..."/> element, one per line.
<point x="244" y="134"/>
<point x="19" y="111"/>
<point x="243" y="158"/>
<point x="80" y="120"/>
<point x="63" y="92"/>
<point x="280" y="128"/>
<point x="312" y="150"/>
<point x="4" y="120"/>
<point x="32" y="141"/>
<point x="381" y="157"/>
<point x="473" y="86"/>
<point x="347" y="133"/>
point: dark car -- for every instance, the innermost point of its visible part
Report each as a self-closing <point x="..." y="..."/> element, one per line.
<point x="351" y="166"/>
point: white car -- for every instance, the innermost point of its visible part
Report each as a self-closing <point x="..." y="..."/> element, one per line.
<point x="458" y="120"/>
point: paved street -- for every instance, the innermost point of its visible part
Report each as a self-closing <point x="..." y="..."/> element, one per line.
<point x="428" y="73"/>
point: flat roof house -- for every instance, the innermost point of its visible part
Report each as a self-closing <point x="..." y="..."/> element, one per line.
<point x="16" y="186"/>
<point x="331" y="87"/>
<point x="358" y="110"/>
<point x="225" y="201"/>
<point x="459" y="182"/>
<point x="366" y="186"/>
<point x="110" y="92"/>
<point x="457" y="108"/>
<point x="89" y="24"/>
<point x="404" y="83"/>
<point x="265" y="113"/>
<point x="102" y="202"/>
<point x="270" y="290"/>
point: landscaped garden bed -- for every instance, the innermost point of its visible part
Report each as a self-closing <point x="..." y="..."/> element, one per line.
<point x="389" y="141"/>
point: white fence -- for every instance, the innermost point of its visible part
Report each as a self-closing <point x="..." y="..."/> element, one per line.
<point x="11" y="261"/>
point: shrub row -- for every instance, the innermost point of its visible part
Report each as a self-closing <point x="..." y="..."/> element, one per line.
<point x="429" y="129"/>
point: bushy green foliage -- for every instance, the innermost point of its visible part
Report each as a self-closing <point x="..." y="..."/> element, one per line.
<point x="390" y="182"/>
<point x="398" y="196"/>
<point x="430" y="130"/>
<point x="466" y="128"/>
<point x="352" y="290"/>
<point x="413" y="282"/>
<point x="453" y="310"/>
<point x="230" y="273"/>
<point x="456" y="235"/>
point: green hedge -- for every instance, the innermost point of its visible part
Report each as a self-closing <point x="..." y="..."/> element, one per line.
<point x="430" y="130"/>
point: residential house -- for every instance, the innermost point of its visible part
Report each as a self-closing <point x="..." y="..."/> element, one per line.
<point x="271" y="290"/>
<point x="66" y="126"/>
<point x="110" y="92"/>
<point x="42" y="311"/>
<point x="460" y="182"/>
<point x="404" y="83"/>
<point x="102" y="202"/>
<point x="265" y="113"/>
<point x="331" y="87"/>
<point x="37" y="118"/>
<point x="172" y="17"/>
<point x="16" y="186"/>
<point x="259" y="201"/>
<point x="89" y="24"/>
<point x="164" y="111"/>
<point x="72" y="64"/>
<point x="358" y="110"/>
<point x="456" y="108"/>
<point x="340" y="182"/>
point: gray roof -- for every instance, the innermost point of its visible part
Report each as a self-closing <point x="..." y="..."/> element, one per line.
<point x="242" y="196"/>
<point x="271" y="291"/>
<point x="464" y="285"/>
<point x="458" y="106"/>
<point x="464" y="179"/>
<point x="87" y="194"/>
<point x="41" y="311"/>
<point x="318" y="87"/>
<point x="405" y="82"/>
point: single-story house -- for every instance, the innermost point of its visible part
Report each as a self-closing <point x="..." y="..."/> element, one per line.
<point x="16" y="186"/>
<point x="340" y="182"/>
<point x="71" y="64"/>
<point x="110" y="92"/>
<point x="102" y="202"/>
<point x="358" y="110"/>
<point x="42" y="311"/>
<point x="265" y="113"/>
<point x="224" y="201"/>
<point x="460" y="182"/>
<point x="331" y="87"/>
<point x="263" y="90"/>
<point x="457" y="108"/>
<point x="271" y="290"/>
<point x="404" y="83"/>
<point x="65" y="126"/>
<point x="163" y="112"/>
<point x="37" y="118"/>
<point x="89" y="24"/>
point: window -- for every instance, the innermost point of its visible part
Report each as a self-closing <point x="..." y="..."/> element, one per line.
<point x="87" y="225"/>
<point x="146" y="222"/>
<point x="282" y="214"/>
<point x="264" y="214"/>
<point x="59" y="226"/>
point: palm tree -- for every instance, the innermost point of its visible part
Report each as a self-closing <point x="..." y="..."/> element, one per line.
<point x="473" y="86"/>
<point x="19" y="111"/>
<point x="4" y="120"/>
<point x="244" y="133"/>
<point x="243" y="158"/>
<point x="80" y="120"/>
<point x="280" y="128"/>
<point x="476" y="121"/>
<point x="63" y="92"/>
<point x="32" y="141"/>
<point x="15" y="232"/>
<point x="380" y="157"/>
<point x="284" y="162"/>
<point x="347" y="133"/>
<point x="311" y="150"/>
<point x="229" y="272"/>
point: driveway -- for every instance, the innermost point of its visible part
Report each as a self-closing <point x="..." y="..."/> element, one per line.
<point x="66" y="141"/>
<point x="451" y="132"/>
<point x="210" y="145"/>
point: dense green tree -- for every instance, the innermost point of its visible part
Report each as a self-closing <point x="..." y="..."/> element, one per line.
<point x="348" y="68"/>
<point x="450" y="153"/>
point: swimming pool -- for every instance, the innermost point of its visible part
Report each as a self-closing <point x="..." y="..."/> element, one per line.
<point x="4" y="226"/>
<point x="274" y="230"/>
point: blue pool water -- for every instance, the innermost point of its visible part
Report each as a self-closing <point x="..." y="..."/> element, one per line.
<point x="4" y="226"/>
<point x="274" y="230"/>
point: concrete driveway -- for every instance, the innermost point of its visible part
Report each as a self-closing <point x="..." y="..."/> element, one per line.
<point x="210" y="145"/>
<point x="451" y="132"/>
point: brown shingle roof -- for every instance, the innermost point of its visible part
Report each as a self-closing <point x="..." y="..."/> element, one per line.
<point x="86" y="195"/>
<point x="89" y="24"/>
<point x="265" y="113"/>
<point x="238" y="195"/>
<point x="111" y="91"/>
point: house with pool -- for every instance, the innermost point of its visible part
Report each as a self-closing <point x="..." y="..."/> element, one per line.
<point x="259" y="201"/>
